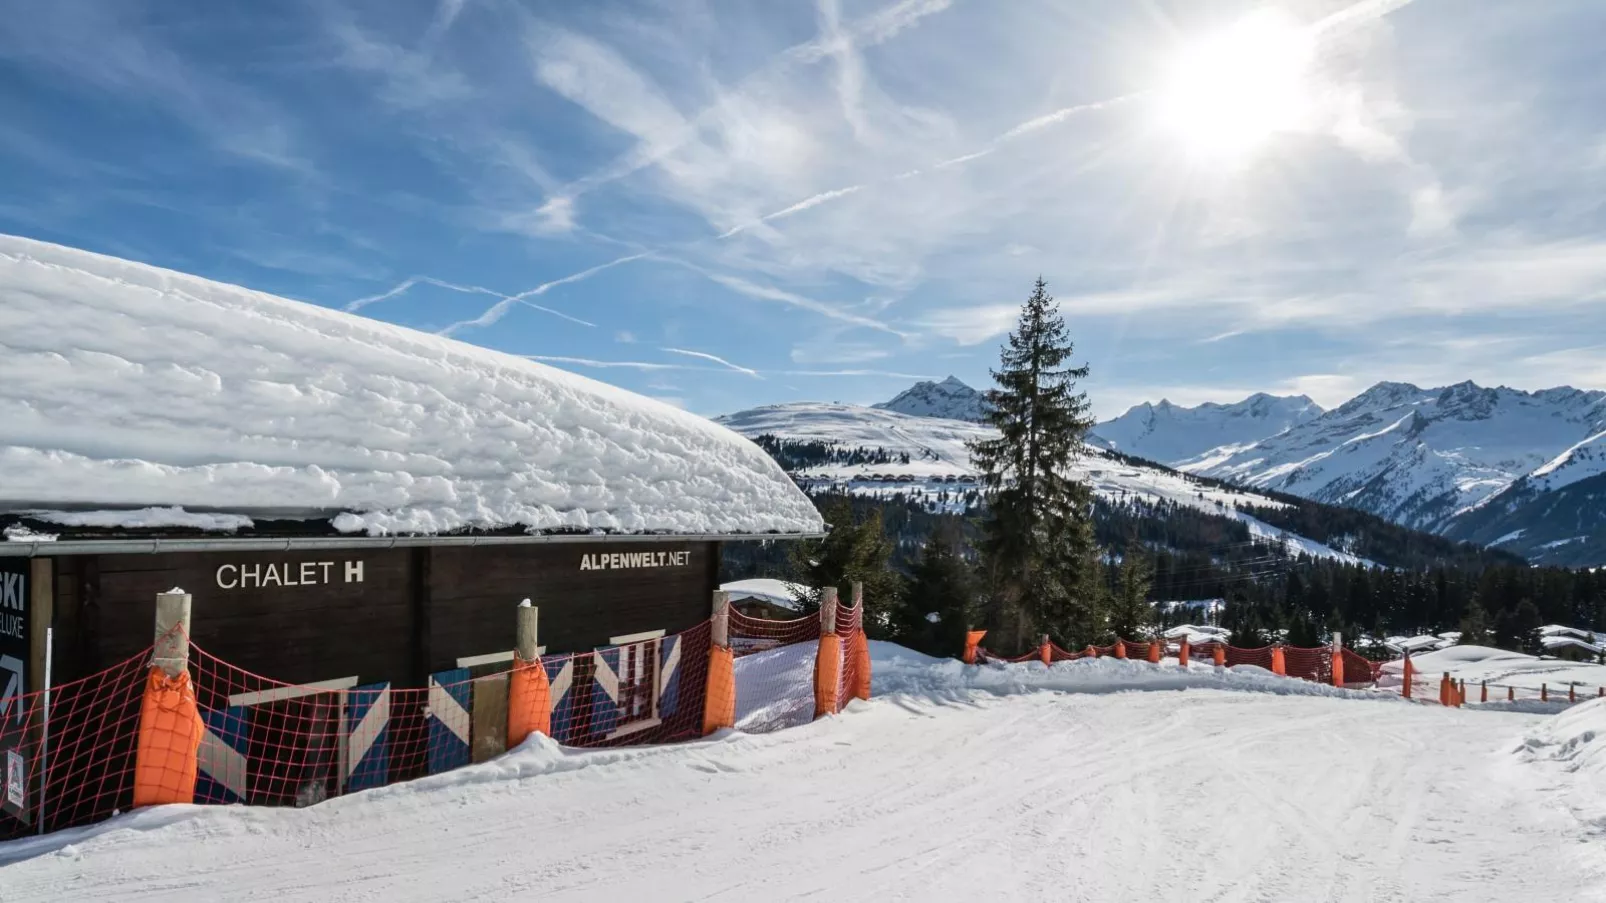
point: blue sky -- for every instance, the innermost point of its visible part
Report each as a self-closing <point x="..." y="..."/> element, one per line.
<point x="725" y="204"/>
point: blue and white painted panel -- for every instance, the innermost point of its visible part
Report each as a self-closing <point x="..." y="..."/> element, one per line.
<point x="222" y="771"/>
<point x="367" y="730"/>
<point x="449" y="725"/>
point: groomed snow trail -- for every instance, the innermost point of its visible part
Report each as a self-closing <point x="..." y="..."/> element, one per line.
<point x="1201" y="794"/>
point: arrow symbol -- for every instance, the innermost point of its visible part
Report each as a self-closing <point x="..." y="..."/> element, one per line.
<point x="12" y="664"/>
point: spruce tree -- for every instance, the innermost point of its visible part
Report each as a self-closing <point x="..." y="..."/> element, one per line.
<point x="855" y="549"/>
<point x="1038" y="551"/>
<point x="1474" y="627"/>
<point x="938" y="605"/>
<point x="1130" y="610"/>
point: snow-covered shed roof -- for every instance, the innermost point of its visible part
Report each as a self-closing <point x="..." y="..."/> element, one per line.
<point x="127" y="389"/>
<point x="780" y="593"/>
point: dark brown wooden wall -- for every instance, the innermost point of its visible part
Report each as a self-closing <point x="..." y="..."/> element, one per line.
<point x="415" y="611"/>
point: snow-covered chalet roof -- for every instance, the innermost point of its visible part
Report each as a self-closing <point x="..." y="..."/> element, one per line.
<point x="127" y="387"/>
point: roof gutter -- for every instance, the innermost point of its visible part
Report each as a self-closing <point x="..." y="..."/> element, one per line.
<point x="55" y="548"/>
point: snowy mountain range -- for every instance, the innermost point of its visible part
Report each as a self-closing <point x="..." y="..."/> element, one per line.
<point x="950" y="399"/>
<point x="926" y="459"/>
<point x="1525" y="471"/>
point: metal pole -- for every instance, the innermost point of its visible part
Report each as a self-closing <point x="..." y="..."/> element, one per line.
<point x="44" y="742"/>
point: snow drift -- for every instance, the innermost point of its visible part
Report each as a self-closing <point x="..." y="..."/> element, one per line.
<point x="127" y="386"/>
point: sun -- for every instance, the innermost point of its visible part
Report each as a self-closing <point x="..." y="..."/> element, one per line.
<point x="1230" y="91"/>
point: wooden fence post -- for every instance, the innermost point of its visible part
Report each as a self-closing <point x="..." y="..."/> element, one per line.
<point x="827" y="657"/>
<point x="1337" y="667"/>
<point x="529" y="692"/>
<point x="859" y="647"/>
<point x="719" y="693"/>
<point x="166" y="758"/>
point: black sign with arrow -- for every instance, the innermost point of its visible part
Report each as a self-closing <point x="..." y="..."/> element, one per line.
<point x="14" y="654"/>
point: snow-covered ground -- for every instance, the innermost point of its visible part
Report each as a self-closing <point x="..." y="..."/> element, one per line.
<point x="1500" y="669"/>
<point x="141" y="394"/>
<point x="955" y="783"/>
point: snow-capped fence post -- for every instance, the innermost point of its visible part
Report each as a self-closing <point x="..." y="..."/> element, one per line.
<point x="1337" y="667"/>
<point x="973" y="640"/>
<point x="828" y="657"/>
<point x="1182" y="652"/>
<point x="1044" y="652"/>
<point x="529" y="692"/>
<point x="719" y="693"/>
<point x="170" y="726"/>
<point x="859" y="646"/>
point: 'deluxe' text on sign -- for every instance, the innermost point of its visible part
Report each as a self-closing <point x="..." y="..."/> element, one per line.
<point x="614" y="561"/>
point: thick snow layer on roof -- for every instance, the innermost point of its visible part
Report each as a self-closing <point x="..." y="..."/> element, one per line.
<point x="127" y="386"/>
<point x="781" y="593"/>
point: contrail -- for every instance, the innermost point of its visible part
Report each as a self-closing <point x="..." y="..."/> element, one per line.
<point x="1364" y="11"/>
<point x="498" y="310"/>
<point x="800" y="206"/>
<point x="716" y="359"/>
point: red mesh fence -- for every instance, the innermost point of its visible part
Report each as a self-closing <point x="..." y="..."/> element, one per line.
<point x="67" y="754"/>
<point x="1260" y="657"/>
<point x="70" y="755"/>
<point x="774" y="671"/>
<point x="847" y="624"/>
<point x="1310" y="664"/>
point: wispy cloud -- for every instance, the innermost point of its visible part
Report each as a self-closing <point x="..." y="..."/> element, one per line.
<point x="710" y="357"/>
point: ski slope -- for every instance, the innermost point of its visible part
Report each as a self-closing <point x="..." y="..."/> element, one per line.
<point x="1000" y="783"/>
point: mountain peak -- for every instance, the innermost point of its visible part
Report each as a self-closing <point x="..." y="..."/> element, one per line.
<point x="950" y="399"/>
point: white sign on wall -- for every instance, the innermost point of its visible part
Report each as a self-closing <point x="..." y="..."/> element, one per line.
<point x="615" y="561"/>
<point x="288" y="573"/>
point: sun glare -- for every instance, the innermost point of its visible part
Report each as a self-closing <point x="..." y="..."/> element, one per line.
<point x="1232" y="90"/>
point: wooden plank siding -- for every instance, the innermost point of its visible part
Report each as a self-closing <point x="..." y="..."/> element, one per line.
<point x="415" y="611"/>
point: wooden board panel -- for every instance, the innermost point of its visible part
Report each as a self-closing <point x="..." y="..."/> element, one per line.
<point x="584" y="599"/>
<point x="289" y="616"/>
<point x="490" y="717"/>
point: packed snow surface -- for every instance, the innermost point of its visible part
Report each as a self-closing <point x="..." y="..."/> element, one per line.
<point x="125" y="386"/>
<point x="955" y="783"/>
<point x="1500" y="668"/>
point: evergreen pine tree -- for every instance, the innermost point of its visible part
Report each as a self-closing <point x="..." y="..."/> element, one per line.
<point x="1474" y="627"/>
<point x="938" y="605"/>
<point x="1130" y="610"/>
<point x="1038" y="551"/>
<point x="855" y="549"/>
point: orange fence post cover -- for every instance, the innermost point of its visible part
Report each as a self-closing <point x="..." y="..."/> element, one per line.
<point x="1410" y="675"/>
<point x="1338" y="667"/>
<point x="859" y="652"/>
<point x="1484" y="695"/>
<point x="1279" y="665"/>
<point x="1120" y="648"/>
<point x="827" y="674"/>
<point x="1511" y="694"/>
<point x="719" y="696"/>
<point x="1571" y="697"/>
<point x="1219" y="655"/>
<point x="1154" y="652"/>
<point x="1544" y="692"/>
<point x="1046" y="653"/>
<point x="170" y="731"/>
<point x="1444" y="689"/>
<point x="529" y="702"/>
<point x="972" y="641"/>
<point x="1092" y="652"/>
<point x="1182" y="652"/>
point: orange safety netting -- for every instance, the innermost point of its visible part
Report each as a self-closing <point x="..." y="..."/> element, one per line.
<point x="774" y="670"/>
